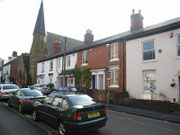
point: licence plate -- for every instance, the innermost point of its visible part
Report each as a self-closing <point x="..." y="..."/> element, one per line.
<point x="92" y="115"/>
<point x="36" y="101"/>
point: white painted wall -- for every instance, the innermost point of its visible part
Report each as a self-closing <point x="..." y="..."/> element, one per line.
<point x="55" y="70"/>
<point x="167" y="66"/>
<point x="6" y="73"/>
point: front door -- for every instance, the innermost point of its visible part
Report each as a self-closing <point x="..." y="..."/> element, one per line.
<point x="94" y="81"/>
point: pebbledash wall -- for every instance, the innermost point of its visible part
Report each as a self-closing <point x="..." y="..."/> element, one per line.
<point x="164" y="70"/>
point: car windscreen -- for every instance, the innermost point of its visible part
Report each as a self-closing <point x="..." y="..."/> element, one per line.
<point x="43" y="86"/>
<point x="73" y="89"/>
<point x="8" y="87"/>
<point x="32" y="93"/>
<point x="81" y="100"/>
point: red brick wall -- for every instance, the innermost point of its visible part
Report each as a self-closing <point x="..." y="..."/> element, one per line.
<point x="14" y="67"/>
<point x="98" y="58"/>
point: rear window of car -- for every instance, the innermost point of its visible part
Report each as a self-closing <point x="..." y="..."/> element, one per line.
<point x="43" y="86"/>
<point x="32" y="93"/>
<point x="81" y="100"/>
<point x="8" y="87"/>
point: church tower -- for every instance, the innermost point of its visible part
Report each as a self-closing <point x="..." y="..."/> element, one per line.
<point x="38" y="49"/>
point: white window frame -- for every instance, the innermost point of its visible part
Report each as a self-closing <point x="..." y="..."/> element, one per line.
<point x="146" y="81"/>
<point x="114" y="56"/>
<point x="51" y="78"/>
<point x="51" y="65"/>
<point x="84" y="57"/>
<point x="177" y="45"/>
<point x="70" y="81"/>
<point x="58" y="65"/>
<point x="115" y="75"/>
<point x="42" y="70"/>
<point x="143" y="51"/>
<point x="68" y="61"/>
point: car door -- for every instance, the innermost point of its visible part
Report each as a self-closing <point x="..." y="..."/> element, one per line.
<point x="43" y="108"/>
<point x="54" y="110"/>
<point x="17" y="98"/>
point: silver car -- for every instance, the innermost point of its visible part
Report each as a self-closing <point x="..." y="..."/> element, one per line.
<point x="6" y="89"/>
<point x="43" y="88"/>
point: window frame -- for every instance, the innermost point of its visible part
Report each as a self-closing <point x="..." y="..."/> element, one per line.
<point x="177" y="45"/>
<point x="115" y="76"/>
<point x="85" y="57"/>
<point x="148" y="81"/>
<point x="58" y="65"/>
<point x="152" y="59"/>
<point x="42" y="69"/>
<point x="68" y="60"/>
<point x="51" y="65"/>
<point x="114" y="51"/>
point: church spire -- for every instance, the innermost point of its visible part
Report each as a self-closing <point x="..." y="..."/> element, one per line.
<point x="40" y="25"/>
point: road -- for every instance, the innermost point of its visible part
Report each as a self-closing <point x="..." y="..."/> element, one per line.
<point x="12" y="123"/>
<point x="118" y="124"/>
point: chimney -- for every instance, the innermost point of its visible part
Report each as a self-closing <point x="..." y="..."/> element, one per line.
<point x="136" y="21"/>
<point x="56" y="46"/>
<point x="88" y="37"/>
<point x="14" y="54"/>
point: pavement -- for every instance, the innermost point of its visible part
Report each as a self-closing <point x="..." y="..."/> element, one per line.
<point x="145" y="113"/>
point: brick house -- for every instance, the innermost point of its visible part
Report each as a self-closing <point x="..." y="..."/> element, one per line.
<point x="101" y="59"/>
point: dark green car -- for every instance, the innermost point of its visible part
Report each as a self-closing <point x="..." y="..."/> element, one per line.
<point x="71" y="113"/>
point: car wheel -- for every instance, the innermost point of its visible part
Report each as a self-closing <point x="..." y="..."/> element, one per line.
<point x="9" y="103"/>
<point x="20" y="108"/>
<point x="61" y="128"/>
<point x="34" y="115"/>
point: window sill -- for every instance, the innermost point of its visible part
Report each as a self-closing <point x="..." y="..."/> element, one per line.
<point x="113" y="86"/>
<point x="113" y="60"/>
<point x="147" y="61"/>
<point x="84" y="64"/>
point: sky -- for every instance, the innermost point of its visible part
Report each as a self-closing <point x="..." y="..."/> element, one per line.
<point x="71" y="18"/>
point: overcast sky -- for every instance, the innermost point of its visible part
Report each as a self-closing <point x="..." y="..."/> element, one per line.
<point x="72" y="18"/>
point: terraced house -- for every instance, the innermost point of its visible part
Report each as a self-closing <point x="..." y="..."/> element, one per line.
<point x="141" y="61"/>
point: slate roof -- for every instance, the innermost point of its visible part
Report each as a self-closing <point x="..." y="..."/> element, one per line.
<point x="128" y="35"/>
<point x="67" y="72"/>
<point x="71" y="43"/>
<point x="40" y="24"/>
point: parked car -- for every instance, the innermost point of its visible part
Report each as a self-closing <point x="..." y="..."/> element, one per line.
<point x="67" y="89"/>
<point x="63" y="90"/>
<point x="6" y="89"/>
<point x="24" y="99"/>
<point x="43" y="88"/>
<point x="71" y="113"/>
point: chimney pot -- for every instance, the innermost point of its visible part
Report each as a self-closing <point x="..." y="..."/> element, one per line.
<point x="133" y="11"/>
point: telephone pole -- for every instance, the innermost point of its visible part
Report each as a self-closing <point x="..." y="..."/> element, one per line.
<point x="64" y="61"/>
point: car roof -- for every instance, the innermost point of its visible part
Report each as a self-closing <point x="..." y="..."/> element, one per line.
<point x="8" y="84"/>
<point x="68" y="94"/>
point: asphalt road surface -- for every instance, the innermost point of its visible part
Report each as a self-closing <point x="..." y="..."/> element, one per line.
<point x="12" y="123"/>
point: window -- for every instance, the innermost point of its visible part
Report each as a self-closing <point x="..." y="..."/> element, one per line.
<point x="58" y="63"/>
<point x="178" y="45"/>
<point x="48" y="100"/>
<point x="68" y="61"/>
<point x="149" y="77"/>
<point x="65" y="105"/>
<point x="114" y="77"/>
<point x="148" y="50"/>
<point x="50" y="78"/>
<point x="42" y="67"/>
<point x="114" y="51"/>
<point x="51" y="65"/>
<point x="84" y="57"/>
<point x="70" y="81"/>
<point x="57" y="102"/>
